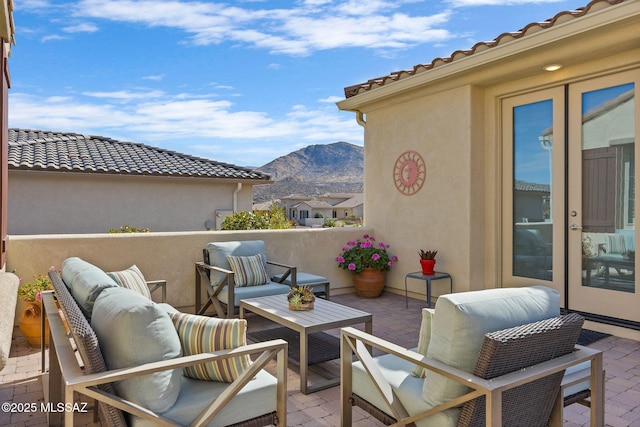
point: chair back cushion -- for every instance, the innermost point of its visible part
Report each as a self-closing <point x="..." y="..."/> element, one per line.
<point x="517" y="348"/>
<point x="424" y="339"/>
<point x="201" y="334"/>
<point x="86" y="282"/>
<point x="131" y="278"/>
<point x="248" y="270"/>
<point x="462" y="319"/>
<point x="133" y="330"/>
<point x="219" y="251"/>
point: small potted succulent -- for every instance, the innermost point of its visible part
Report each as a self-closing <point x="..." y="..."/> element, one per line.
<point x="301" y="298"/>
<point x="427" y="261"/>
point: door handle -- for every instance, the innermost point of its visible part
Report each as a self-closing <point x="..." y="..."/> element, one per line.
<point x="575" y="227"/>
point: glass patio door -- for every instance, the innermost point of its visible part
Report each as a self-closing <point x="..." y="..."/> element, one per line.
<point x="533" y="190"/>
<point x="601" y="235"/>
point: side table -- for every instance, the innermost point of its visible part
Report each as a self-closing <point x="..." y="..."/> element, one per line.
<point x="428" y="278"/>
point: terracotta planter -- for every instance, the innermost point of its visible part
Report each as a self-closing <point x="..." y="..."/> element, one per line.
<point x="29" y="323"/>
<point x="302" y="307"/>
<point x="428" y="266"/>
<point x="369" y="283"/>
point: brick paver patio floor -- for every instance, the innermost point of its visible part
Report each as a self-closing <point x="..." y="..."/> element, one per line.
<point x="20" y="380"/>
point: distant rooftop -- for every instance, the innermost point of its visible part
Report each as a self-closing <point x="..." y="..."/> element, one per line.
<point x="503" y="38"/>
<point x="72" y="152"/>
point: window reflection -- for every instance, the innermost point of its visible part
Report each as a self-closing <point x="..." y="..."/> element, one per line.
<point x="532" y="207"/>
<point x="608" y="180"/>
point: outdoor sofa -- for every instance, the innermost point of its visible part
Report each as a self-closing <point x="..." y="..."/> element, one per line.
<point x="147" y="364"/>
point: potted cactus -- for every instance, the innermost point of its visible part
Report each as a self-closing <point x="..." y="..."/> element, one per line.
<point x="427" y="261"/>
<point x="301" y="298"/>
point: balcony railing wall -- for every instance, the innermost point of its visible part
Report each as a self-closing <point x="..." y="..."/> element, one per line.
<point x="172" y="256"/>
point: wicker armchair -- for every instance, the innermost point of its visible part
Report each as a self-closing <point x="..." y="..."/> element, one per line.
<point x="519" y="372"/>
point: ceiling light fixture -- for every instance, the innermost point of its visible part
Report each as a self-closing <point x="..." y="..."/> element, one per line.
<point x="552" y="67"/>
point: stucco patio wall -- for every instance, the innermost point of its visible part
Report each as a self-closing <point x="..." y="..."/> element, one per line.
<point x="171" y="256"/>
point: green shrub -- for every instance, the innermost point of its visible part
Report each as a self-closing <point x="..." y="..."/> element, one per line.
<point x="329" y="222"/>
<point x="273" y="219"/>
<point x="129" y="229"/>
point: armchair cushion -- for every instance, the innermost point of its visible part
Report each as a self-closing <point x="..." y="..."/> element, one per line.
<point x="219" y="251"/>
<point x="408" y="388"/>
<point x="133" y="279"/>
<point x="462" y="319"/>
<point x="87" y="282"/>
<point x="248" y="270"/>
<point x="200" y="334"/>
<point x="256" y="398"/>
<point x="133" y="330"/>
<point x="423" y="339"/>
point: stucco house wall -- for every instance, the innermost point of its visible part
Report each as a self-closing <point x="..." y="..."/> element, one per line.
<point x="439" y="216"/>
<point x="73" y="183"/>
<point x="450" y="114"/>
<point x="48" y="202"/>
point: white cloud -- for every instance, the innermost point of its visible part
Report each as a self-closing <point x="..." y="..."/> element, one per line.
<point x="162" y="119"/>
<point x="157" y="77"/>
<point x="81" y="28"/>
<point x="52" y="38"/>
<point x="126" y="95"/>
<point x="331" y="99"/>
<point x="467" y="3"/>
<point x="308" y="27"/>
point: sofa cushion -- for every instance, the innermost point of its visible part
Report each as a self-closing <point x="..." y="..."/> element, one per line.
<point x="462" y="319"/>
<point x="253" y="292"/>
<point x="423" y="339"/>
<point x="219" y="251"/>
<point x="408" y="388"/>
<point x="256" y="398"/>
<point x="132" y="330"/>
<point x="200" y="334"/>
<point x="133" y="279"/>
<point x="248" y="270"/>
<point x="86" y="282"/>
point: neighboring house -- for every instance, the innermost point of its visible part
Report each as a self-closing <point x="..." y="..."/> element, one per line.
<point x="447" y="141"/>
<point x="312" y="210"/>
<point x="72" y="183"/>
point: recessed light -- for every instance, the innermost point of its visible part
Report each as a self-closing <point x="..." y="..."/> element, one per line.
<point x="552" y="67"/>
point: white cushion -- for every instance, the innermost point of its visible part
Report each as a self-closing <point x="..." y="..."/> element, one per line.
<point x="462" y="319"/>
<point x="132" y="330"/>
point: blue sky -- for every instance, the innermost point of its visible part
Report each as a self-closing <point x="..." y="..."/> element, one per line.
<point x="239" y="82"/>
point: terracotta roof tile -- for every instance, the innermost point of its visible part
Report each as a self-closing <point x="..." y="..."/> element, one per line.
<point x="70" y="152"/>
<point x="531" y="28"/>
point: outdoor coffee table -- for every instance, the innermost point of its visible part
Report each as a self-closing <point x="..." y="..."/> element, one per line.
<point x="324" y="316"/>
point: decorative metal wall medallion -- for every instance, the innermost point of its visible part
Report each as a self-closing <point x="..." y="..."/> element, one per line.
<point x="409" y="172"/>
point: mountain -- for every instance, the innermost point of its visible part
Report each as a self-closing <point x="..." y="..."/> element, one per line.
<point x="314" y="170"/>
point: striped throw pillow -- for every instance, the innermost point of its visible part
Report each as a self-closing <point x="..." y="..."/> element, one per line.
<point x="248" y="270"/>
<point x="133" y="279"/>
<point x="201" y="334"/>
<point x="424" y="339"/>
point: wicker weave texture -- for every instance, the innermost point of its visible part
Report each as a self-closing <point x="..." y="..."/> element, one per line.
<point x="88" y="347"/>
<point x="520" y="347"/>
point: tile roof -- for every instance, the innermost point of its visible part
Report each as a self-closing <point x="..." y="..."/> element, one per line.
<point x="351" y="203"/>
<point x="503" y="38"/>
<point x="532" y="186"/>
<point x="72" y="152"/>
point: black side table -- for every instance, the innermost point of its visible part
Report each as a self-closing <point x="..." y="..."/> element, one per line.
<point x="427" y="278"/>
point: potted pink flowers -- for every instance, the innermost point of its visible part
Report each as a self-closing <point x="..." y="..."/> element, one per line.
<point x="368" y="260"/>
